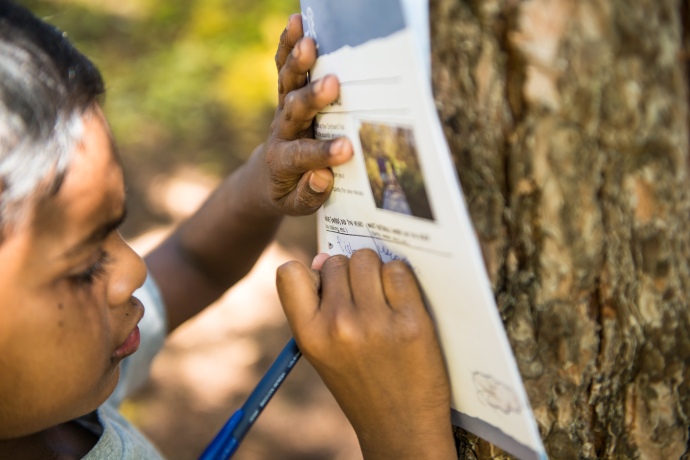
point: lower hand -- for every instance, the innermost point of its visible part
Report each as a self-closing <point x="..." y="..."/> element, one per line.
<point x="369" y="337"/>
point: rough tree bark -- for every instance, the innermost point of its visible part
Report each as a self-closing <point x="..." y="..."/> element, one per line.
<point x="568" y="124"/>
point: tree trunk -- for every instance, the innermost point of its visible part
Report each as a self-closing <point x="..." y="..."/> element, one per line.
<point x="568" y="124"/>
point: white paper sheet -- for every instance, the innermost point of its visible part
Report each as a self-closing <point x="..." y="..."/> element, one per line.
<point x="400" y="196"/>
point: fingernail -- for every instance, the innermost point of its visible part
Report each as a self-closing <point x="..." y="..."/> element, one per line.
<point x="287" y="27"/>
<point x="296" y="50"/>
<point x="319" y="181"/>
<point x="337" y="147"/>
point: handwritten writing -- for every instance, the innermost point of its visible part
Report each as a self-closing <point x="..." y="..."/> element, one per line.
<point x="346" y="247"/>
<point x="387" y="255"/>
<point x="343" y="245"/>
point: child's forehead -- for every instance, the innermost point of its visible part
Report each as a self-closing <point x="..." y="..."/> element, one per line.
<point x="91" y="191"/>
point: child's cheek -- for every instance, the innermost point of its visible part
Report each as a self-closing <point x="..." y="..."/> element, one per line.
<point x="82" y="312"/>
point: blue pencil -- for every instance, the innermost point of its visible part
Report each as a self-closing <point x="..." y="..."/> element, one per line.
<point x="229" y="437"/>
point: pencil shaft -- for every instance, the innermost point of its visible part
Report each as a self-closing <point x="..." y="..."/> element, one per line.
<point x="229" y="437"/>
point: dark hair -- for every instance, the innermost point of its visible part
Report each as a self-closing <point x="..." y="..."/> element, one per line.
<point x="46" y="86"/>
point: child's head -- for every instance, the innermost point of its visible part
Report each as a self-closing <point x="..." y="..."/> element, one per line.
<point x="67" y="315"/>
<point x="45" y="87"/>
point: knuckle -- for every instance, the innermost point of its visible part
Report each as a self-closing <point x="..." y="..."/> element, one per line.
<point x="288" y="111"/>
<point x="291" y="204"/>
<point x="344" y="328"/>
<point x="298" y="206"/>
<point x="348" y="334"/>
<point x="282" y="42"/>
<point x="294" y="156"/>
<point x="410" y="329"/>
<point x="308" y="202"/>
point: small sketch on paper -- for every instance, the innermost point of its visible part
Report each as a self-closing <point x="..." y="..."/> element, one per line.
<point x="495" y="394"/>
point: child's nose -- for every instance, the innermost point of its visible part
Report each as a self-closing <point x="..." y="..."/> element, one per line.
<point x="128" y="271"/>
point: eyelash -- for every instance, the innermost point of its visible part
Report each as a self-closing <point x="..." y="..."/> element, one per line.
<point x="91" y="274"/>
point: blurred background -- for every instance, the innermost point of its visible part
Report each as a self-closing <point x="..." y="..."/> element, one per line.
<point x="191" y="92"/>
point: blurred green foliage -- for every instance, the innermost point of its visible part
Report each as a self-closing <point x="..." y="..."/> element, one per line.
<point x="189" y="82"/>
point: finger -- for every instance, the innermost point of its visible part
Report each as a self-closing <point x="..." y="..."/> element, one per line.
<point x="299" y="156"/>
<point x="401" y="289"/>
<point x="318" y="261"/>
<point x="302" y="105"/>
<point x="335" y="285"/>
<point x="365" y="276"/>
<point x="293" y="74"/>
<point x="299" y="295"/>
<point x="291" y="34"/>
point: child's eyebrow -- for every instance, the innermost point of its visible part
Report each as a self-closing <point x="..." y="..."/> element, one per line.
<point x="99" y="234"/>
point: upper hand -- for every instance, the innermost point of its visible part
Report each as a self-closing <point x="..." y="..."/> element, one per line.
<point x="369" y="337"/>
<point x="295" y="170"/>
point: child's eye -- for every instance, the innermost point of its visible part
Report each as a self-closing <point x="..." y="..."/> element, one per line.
<point x="88" y="276"/>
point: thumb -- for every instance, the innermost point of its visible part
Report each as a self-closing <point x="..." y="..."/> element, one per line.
<point x="311" y="192"/>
